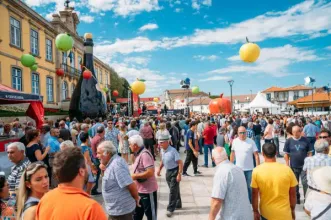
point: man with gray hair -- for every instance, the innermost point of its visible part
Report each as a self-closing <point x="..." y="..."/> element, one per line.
<point x="144" y="177"/>
<point x="16" y="154"/>
<point x="66" y="144"/>
<point x="229" y="190"/>
<point x="118" y="189"/>
<point x="320" y="159"/>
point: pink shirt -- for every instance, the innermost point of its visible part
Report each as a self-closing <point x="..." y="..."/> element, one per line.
<point x="144" y="161"/>
<point x="269" y="129"/>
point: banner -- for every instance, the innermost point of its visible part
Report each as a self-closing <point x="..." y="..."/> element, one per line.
<point x="36" y="112"/>
<point x="129" y="103"/>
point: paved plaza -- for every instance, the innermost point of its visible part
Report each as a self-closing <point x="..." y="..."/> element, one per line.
<point x="195" y="193"/>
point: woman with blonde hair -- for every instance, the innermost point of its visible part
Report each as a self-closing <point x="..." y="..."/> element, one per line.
<point x="34" y="183"/>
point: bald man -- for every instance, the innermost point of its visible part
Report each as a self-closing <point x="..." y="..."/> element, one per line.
<point x="296" y="149"/>
<point x="229" y="190"/>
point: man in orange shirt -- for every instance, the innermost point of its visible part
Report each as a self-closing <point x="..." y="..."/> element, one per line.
<point x="69" y="200"/>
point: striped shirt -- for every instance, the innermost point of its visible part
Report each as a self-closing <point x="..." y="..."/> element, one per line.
<point x="318" y="160"/>
<point x="117" y="197"/>
<point x="16" y="173"/>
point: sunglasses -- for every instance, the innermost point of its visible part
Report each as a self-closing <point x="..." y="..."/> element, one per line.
<point x="242" y="132"/>
<point x="323" y="137"/>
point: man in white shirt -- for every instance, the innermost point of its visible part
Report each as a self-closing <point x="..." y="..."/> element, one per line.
<point x="242" y="152"/>
<point x="229" y="190"/>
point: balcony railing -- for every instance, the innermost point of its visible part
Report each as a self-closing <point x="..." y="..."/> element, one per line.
<point x="71" y="71"/>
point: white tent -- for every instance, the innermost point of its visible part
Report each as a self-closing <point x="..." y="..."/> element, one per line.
<point x="260" y="102"/>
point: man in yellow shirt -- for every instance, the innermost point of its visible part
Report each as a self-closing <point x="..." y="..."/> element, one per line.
<point x="275" y="184"/>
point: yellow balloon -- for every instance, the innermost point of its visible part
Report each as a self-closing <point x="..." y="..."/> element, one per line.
<point x="249" y="52"/>
<point x="138" y="87"/>
<point x="156" y="99"/>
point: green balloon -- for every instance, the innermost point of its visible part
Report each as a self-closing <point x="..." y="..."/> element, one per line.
<point x="195" y="90"/>
<point x="27" y="60"/>
<point x="34" y="67"/>
<point x="64" y="42"/>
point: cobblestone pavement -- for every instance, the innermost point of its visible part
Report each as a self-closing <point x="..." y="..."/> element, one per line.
<point x="195" y="193"/>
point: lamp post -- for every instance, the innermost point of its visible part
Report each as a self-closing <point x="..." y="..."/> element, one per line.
<point x="251" y="94"/>
<point x="231" y="83"/>
<point x="327" y="88"/>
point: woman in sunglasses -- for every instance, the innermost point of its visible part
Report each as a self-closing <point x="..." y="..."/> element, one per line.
<point x="33" y="186"/>
<point x="5" y="210"/>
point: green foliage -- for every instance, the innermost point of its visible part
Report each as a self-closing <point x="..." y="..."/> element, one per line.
<point x="214" y="96"/>
<point x="118" y="83"/>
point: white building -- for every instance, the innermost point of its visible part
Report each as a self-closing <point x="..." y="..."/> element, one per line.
<point x="281" y="96"/>
<point x="179" y="98"/>
<point x="200" y="105"/>
<point x="241" y="102"/>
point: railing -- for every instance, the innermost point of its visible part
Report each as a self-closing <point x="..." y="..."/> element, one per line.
<point x="71" y="71"/>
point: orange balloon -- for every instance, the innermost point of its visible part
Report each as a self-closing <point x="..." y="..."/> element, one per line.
<point x="220" y="105"/>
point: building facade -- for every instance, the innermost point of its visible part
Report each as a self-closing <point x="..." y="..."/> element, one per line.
<point x="24" y="31"/>
<point x="179" y="98"/>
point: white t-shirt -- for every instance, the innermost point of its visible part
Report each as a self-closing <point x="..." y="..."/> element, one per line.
<point x="244" y="151"/>
<point x="316" y="202"/>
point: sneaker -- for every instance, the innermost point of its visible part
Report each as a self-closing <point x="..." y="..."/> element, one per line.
<point x="198" y="173"/>
<point x="185" y="174"/>
<point x="169" y="214"/>
<point x="95" y="193"/>
<point x="206" y="166"/>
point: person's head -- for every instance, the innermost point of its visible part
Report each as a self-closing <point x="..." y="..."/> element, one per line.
<point x="27" y="129"/>
<point x="242" y="134"/>
<point x="101" y="130"/>
<point x="269" y="150"/>
<point x="84" y="138"/>
<point x="296" y="131"/>
<point x="110" y="123"/>
<point x="7" y="128"/>
<point x="219" y="155"/>
<point x="34" y="182"/>
<point x="133" y="123"/>
<point x="105" y="151"/>
<point x="45" y="128"/>
<point x="270" y="121"/>
<point x="136" y="142"/>
<point x="322" y="146"/>
<point x="162" y="126"/>
<point x="4" y="189"/>
<point x="16" y="152"/>
<point x="69" y="166"/>
<point x="193" y="125"/>
<point x="33" y="135"/>
<point x="66" y="144"/>
<point x="55" y="132"/>
<point x="325" y="134"/>
<point x="62" y="124"/>
<point x="250" y="124"/>
<point x="84" y="127"/>
<point x="164" y="141"/>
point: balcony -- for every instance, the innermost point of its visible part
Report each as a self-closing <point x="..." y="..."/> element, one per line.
<point x="71" y="71"/>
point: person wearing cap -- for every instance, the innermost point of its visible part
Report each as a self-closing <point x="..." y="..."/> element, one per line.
<point x="318" y="201"/>
<point x="174" y="166"/>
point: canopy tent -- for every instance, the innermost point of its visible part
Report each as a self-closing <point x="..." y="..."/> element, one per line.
<point x="260" y="102"/>
<point x="36" y="109"/>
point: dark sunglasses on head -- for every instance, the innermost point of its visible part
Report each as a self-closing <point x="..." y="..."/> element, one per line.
<point x="323" y="137"/>
<point x="242" y="132"/>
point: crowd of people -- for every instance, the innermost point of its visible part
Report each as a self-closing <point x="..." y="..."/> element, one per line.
<point x="57" y="168"/>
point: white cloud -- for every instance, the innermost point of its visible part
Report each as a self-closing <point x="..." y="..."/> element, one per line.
<point x="328" y="48"/>
<point x="202" y="58"/>
<point x="215" y="78"/>
<point x="272" y="61"/>
<point x="177" y="10"/>
<point x="148" y="26"/>
<point x="196" y="4"/>
<point x="124" y="7"/>
<point x="116" y="24"/>
<point x="86" y="19"/>
<point x="137" y="60"/>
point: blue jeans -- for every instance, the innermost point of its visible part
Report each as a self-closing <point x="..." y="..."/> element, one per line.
<point x="257" y="140"/>
<point x="200" y="145"/>
<point x="312" y="141"/>
<point x="205" y="152"/>
<point x="248" y="177"/>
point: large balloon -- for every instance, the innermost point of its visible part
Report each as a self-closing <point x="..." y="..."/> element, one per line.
<point x="156" y="99"/>
<point x="249" y="52"/>
<point x="138" y="87"/>
<point x="28" y="60"/>
<point x="115" y="93"/>
<point x="64" y="42"/>
<point x="34" y="67"/>
<point x="195" y="90"/>
<point x="220" y="105"/>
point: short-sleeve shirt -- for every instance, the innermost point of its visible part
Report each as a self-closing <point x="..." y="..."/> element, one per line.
<point x="316" y="202"/>
<point x="274" y="181"/>
<point x="170" y="157"/>
<point x="117" y="197"/>
<point x="189" y="136"/>
<point x="298" y="150"/>
<point x="54" y="144"/>
<point x="229" y="184"/>
<point x="16" y="173"/>
<point x="143" y="161"/>
<point x="208" y="135"/>
<point x="244" y="151"/>
<point x="30" y="152"/>
<point x="318" y="160"/>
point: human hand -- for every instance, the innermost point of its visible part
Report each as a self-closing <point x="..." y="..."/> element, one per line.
<point x="179" y="177"/>
<point x="102" y="167"/>
<point x="257" y="216"/>
<point x="137" y="201"/>
<point x="158" y="173"/>
<point x="47" y="149"/>
<point x="196" y="153"/>
<point x="293" y="214"/>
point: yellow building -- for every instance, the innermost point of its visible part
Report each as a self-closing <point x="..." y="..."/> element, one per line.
<point x="22" y="31"/>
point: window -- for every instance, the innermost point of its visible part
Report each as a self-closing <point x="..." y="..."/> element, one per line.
<point x="72" y="88"/>
<point x="268" y="96"/>
<point x="49" y="85"/>
<point x="15" y="32"/>
<point x="101" y="76"/>
<point x="64" y="90"/>
<point x="296" y="95"/>
<point x="306" y="93"/>
<point x="34" y="42"/>
<point x="107" y="80"/>
<point x="17" y="78"/>
<point x="49" y="50"/>
<point x="96" y="73"/>
<point x="64" y="57"/>
<point x="35" y="83"/>
<point x="80" y="62"/>
<point x="72" y="64"/>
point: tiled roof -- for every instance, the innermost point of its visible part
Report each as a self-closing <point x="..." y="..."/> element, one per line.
<point x="292" y="88"/>
<point x="183" y="93"/>
<point x="203" y="101"/>
<point x="241" y="98"/>
<point x="317" y="97"/>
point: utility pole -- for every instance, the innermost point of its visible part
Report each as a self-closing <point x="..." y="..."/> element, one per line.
<point x="231" y="83"/>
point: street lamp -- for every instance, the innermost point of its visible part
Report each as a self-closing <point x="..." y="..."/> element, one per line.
<point x="327" y="88"/>
<point x="310" y="81"/>
<point x="231" y="83"/>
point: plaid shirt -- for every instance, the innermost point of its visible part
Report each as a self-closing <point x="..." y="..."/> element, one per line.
<point x="318" y="160"/>
<point x="250" y="133"/>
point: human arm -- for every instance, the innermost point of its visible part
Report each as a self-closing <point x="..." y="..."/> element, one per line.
<point x="287" y="152"/>
<point x="180" y="170"/>
<point x="134" y="192"/>
<point x="30" y="213"/>
<point x="255" y="203"/>
<point x="144" y="175"/>
<point x="40" y="156"/>
<point x="232" y="156"/>
<point x="293" y="200"/>
<point x="160" y="168"/>
<point x="190" y="143"/>
<point x="215" y="206"/>
<point x="257" y="158"/>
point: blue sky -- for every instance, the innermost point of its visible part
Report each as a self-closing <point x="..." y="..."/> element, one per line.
<point x="164" y="41"/>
